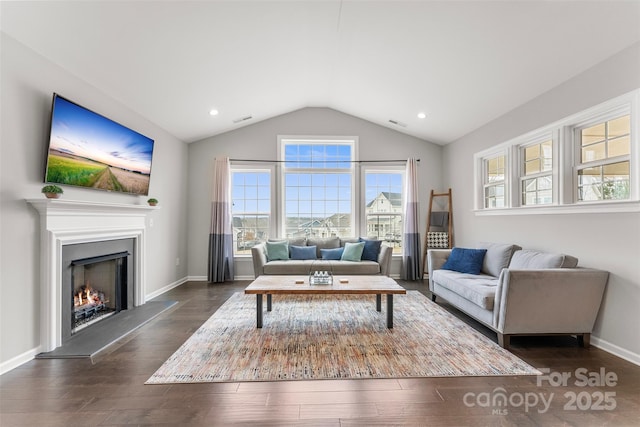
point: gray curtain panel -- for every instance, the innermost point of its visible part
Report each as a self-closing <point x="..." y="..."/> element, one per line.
<point x="411" y="269"/>
<point x="220" y="234"/>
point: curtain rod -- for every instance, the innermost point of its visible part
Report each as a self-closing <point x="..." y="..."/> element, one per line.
<point x="319" y="161"/>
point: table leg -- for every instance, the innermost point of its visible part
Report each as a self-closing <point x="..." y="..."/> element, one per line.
<point x="259" y="309"/>
<point x="268" y="302"/>
<point x="379" y="302"/>
<point x="389" y="311"/>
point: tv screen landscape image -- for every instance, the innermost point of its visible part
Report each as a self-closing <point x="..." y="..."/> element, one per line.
<point x="90" y="150"/>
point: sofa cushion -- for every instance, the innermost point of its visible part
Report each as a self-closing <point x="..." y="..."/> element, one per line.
<point x="323" y="243"/>
<point x="332" y="254"/>
<point x="479" y="289"/>
<point x="465" y="260"/>
<point x="277" y="250"/>
<point x="371" y="249"/>
<point x="352" y="251"/>
<point x="497" y="257"/>
<point x="302" y="252"/>
<point x="528" y="259"/>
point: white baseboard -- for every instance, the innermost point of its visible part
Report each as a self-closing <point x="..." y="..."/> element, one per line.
<point x="167" y="288"/>
<point x="616" y="350"/>
<point x="197" y="278"/>
<point x="20" y="359"/>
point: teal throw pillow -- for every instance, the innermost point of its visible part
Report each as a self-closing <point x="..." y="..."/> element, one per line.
<point x="465" y="260"/>
<point x="371" y="249"/>
<point x="332" y="254"/>
<point x="303" y="252"/>
<point x="277" y="251"/>
<point x="352" y="251"/>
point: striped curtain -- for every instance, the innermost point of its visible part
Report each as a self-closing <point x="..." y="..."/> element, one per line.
<point x="411" y="249"/>
<point x="220" y="234"/>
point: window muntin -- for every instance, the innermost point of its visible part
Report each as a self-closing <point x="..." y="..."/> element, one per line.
<point x="494" y="181"/>
<point x="604" y="170"/>
<point x="383" y="191"/>
<point x="537" y="170"/>
<point x="318" y="186"/>
<point x="251" y="208"/>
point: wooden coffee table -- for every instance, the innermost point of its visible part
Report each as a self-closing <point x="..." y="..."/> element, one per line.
<point x="290" y="285"/>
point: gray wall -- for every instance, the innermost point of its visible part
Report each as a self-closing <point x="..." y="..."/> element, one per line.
<point x="27" y="84"/>
<point x="607" y="241"/>
<point x="259" y="141"/>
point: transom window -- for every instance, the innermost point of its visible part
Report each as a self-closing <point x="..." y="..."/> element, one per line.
<point x="587" y="162"/>
<point x="604" y="169"/>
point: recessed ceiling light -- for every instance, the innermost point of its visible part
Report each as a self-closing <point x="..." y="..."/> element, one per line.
<point x="421" y="115"/>
<point x="213" y="112"/>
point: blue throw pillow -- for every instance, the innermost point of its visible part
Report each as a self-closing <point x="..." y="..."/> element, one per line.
<point x="465" y="260"/>
<point x="277" y="251"/>
<point x="302" y="252"/>
<point x="371" y="249"/>
<point x="332" y="254"/>
<point x="352" y="251"/>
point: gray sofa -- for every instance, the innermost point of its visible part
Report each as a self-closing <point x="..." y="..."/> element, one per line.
<point x="522" y="292"/>
<point x="263" y="266"/>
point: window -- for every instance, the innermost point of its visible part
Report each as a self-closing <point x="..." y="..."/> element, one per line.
<point x="588" y="162"/>
<point x="251" y="208"/>
<point x="383" y="190"/>
<point x="536" y="176"/>
<point x="604" y="168"/>
<point x="318" y="184"/>
<point x="494" y="181"/>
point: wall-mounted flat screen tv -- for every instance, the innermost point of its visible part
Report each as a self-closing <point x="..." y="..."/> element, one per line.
<point x="90" y="150"/>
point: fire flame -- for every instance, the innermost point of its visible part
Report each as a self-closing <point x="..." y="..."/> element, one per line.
<point x="88" y="296"/>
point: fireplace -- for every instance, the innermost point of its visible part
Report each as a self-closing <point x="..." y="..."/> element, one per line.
<point x="95" y="283"/>
<point x="73" y="232"/>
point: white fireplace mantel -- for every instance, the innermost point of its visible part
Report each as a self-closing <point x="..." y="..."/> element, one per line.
<point x="67" y="222"/>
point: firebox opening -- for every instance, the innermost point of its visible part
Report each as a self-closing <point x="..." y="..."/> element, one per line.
<point x="99" y="289"/>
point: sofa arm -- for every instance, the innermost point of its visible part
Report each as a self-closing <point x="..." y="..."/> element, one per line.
<point x="557" y="300"/>
<point x="384" y="259"/>
<point x="259" y="255"/>
<point x="435" y="260"/>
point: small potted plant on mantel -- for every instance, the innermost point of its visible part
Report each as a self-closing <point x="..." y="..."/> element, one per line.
<point x="152" y="201"/>
<point x="52" y="191"/>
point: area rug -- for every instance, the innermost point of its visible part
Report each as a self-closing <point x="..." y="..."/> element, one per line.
<point x="308" y="337"/>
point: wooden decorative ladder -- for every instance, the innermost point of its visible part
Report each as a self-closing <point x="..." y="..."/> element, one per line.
<point x="439" y="232"/>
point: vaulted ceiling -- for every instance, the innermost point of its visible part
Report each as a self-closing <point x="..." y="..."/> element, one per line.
<point x="462" y="63"/>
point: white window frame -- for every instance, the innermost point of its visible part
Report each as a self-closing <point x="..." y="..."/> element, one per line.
<point x="525" y="142"/>
<point x="566" y="162"/>
<point x="320" y="140"/>
<point x="252" y="167"/>
<point x="601" y="117"/>
<point x="480" y="162"/>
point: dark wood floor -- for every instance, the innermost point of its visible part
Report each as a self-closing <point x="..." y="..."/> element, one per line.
<point x="110" y="389"/>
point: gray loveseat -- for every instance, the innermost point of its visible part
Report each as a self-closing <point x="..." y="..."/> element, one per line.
<point x="263" y="266"/>
<point x="522" y="292"/>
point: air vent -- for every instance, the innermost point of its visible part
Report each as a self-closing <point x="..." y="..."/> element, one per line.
<point x="397" y="123"/>
<point x="243" y="119"/>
